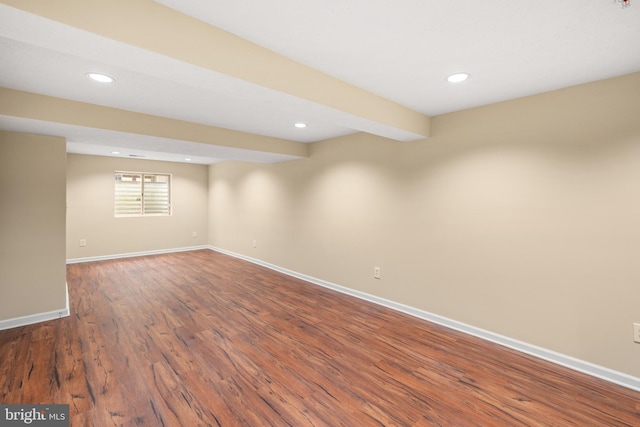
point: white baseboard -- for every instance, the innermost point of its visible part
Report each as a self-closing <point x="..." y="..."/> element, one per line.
<point x="585" y="367"/>
<point x="135" y="254"/>
<point x="36" y="318"/>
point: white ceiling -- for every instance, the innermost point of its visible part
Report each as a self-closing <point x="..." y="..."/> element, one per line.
<point x="404" y="50"/>
<point x="401" y="50"/>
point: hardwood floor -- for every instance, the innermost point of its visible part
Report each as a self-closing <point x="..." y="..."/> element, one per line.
<point x="202" y="339"/>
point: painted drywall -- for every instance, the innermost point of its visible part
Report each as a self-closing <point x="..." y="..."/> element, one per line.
<point x="32" y="224"/>
<point x="90" y="208"/>
<point x="520" y="218"/>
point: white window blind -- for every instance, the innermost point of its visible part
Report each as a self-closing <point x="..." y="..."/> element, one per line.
<point x="155" y="195"/>
<point x="139" y="194"/>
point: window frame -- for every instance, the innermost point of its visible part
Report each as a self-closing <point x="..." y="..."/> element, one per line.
<point x="141" y="212"/>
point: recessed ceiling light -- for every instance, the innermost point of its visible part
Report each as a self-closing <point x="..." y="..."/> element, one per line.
<point x="102" y="78"/>
<point x="187" y="160"/>
<point x="115" y="152"/>
<point x="458" y="77"/>
<point x="300" y="125"/>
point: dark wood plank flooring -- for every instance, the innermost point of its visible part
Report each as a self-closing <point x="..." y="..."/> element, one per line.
<point x="202" y="339"/>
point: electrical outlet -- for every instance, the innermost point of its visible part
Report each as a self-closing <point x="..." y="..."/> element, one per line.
<point x="83" y="243"/>
<point x="376" y="272"/>
<point x="194" y="234"/>
<point x="636" y="332"/>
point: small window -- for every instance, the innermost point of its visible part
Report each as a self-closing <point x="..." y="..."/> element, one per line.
<point x="139" y="194"/>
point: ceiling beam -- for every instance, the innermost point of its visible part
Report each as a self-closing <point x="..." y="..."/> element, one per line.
<point x="151" y="26"/>
<point x="33" y="106"/>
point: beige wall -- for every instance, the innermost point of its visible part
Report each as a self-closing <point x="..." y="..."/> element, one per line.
<point x="521" y="218"/>
<point x="90" y="206"/>
<point x="32" y="224"/>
